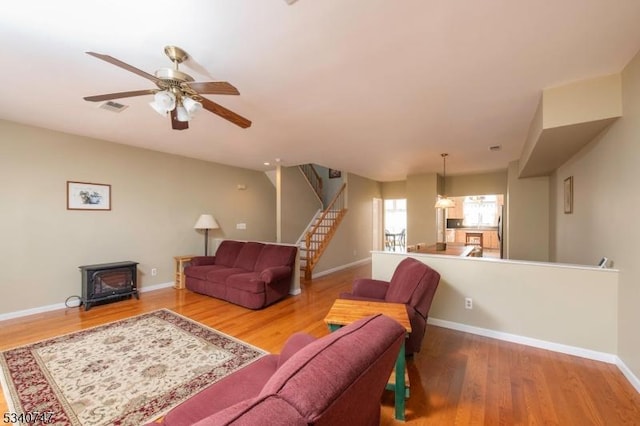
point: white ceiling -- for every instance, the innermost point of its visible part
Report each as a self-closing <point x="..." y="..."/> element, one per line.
<point x="375" y="87"/>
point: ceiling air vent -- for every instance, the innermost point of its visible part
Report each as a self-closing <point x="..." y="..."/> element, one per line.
<point x="495" y="148"/>
<point x="113" y="106"/>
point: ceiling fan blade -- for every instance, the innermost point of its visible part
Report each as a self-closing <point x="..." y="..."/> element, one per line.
<point x="225" y="113"/>
<point x="175" y="124"/>
<point x="124" y="65"/>
<point x="213" y="87"/>
<point x="109" y="96"/>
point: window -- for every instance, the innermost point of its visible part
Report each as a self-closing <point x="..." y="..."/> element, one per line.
<point x="481" y="210"/>
<point x="395" y="224"/>
<point x="395" y="215"/>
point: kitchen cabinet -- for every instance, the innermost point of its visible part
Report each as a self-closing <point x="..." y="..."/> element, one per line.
<point x="457" y="211"/>
<point x="490" y="239"/>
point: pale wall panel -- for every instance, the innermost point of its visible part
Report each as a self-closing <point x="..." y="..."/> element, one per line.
<point x="156" y="199"/>
<point x="555" y="303"/>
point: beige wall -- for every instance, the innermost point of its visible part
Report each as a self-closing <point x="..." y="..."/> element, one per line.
<point x="477" y="184"/>
<point x="394" y="190"/>
<point x="527" y="218"/>
<point x="298" y="204"/>
<point x="528" y="299"/>
<point x="353" y="240"/>
<point x="330" y="186"/>
<point x="606" y="203"/>
<point x="156" y="199"/>
<point x="587" y="100"/>
<point x="421" y="214"/>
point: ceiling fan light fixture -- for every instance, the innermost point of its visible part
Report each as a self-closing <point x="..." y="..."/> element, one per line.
<point x="164" y="101"/>
<point x="160" y="110"/>
<point x="175" y="89"/>
<point x="181" y="113"/>
<point x="192" y="106"/>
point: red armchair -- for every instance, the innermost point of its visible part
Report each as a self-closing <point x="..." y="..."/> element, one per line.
<point x="414" y="284"/>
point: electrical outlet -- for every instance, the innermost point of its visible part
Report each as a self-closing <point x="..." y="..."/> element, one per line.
<point x="241" y="226"/>
<point x="468" y="303"/>
<point x="154" y="272"/>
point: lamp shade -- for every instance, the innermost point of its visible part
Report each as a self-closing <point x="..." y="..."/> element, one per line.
<point x="206" y="221"/>
<point x="181" y="113"/>
<point x="191" y="106"/>
<point x="165" y="99"/>
<point x="445" y="203"/>
<point x="163" y="102"/>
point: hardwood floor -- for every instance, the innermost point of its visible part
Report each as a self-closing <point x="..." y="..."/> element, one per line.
<point x="457" y="378"/>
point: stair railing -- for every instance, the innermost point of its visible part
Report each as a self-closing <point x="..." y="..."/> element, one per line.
<point x="313" y="178"/>
<point x="315" y="241"/>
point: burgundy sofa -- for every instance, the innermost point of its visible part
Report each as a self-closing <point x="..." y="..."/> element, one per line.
<point x="250" y="274"/>
<point x="335" y="380"/>
<point x="414" y="284"/>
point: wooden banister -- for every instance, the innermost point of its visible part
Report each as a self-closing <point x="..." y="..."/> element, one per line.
<point x="336" y="204"/>
<point x="314" y="179"/>
<point x="316" y="241"/>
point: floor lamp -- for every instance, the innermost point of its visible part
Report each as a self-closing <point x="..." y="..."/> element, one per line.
<point x="206" y="222"/>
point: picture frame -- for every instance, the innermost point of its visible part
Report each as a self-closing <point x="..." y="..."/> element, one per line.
<point x="568" y="195"/>
<point x="88" y="196"/>
<point x="333" y="174"/>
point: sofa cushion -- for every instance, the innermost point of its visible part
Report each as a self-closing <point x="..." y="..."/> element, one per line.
<point x="221" y="275"/>
<point x="200" y="272"/>
<point x="275" y="255"/>
<point x="248" y="255"/>
<point x="248" y="281"/>
<point x="228" y="252"/>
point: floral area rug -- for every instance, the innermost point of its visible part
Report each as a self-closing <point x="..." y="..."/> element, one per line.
<point x="123" y="373"/>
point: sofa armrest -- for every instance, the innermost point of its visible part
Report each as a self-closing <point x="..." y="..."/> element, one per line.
<point x="203" y="260"/>
<point x="293" y="344"/>
<point x="275" y="273"/>
<point x="370" y="288"/>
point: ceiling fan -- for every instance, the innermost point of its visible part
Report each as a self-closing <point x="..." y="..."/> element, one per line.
<point x="177" y="93"/>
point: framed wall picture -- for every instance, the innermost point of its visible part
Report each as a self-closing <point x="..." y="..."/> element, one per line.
<point x="88" y="196"/>
<point x="568" y="195"/>
<point x="334" y="173"/>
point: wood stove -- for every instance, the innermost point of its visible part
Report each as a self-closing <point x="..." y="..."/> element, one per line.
<point x="108" y="282"/>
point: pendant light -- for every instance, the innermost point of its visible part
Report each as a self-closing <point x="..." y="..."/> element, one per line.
<point x="444" y="202"/>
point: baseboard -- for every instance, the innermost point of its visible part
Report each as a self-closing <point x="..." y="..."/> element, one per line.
<point x="57" y="306"/>
<point x="156" y="287"/>
<point x="341" y="267"/>
<point x="32" y="311"/>
<point x="528" y="341"/>
<point x="632" y="378"/>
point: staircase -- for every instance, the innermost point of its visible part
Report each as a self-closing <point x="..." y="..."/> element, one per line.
<point x="316" y="238"/>
<point x="314" y="179"/>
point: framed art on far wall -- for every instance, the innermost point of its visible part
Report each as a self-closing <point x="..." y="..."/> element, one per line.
<point x="334" y="173"/>
<point x="88" y="196"/>
<point x="568" y="195"/>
